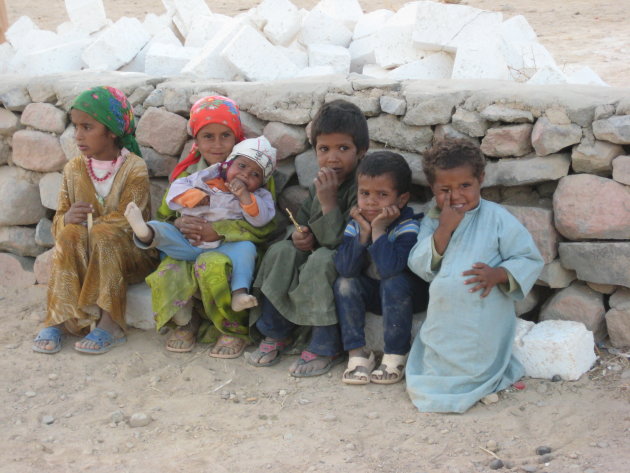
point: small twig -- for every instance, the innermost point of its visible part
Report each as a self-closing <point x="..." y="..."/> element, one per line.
<point x="222" y="385"/>
<point x="490" y="453"/>
<point x="293" y="221"/>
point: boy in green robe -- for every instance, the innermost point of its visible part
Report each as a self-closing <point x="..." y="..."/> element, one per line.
<point x="296" y="276"/>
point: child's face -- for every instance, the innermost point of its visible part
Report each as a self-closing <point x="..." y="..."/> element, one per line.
<point x="377" y="192"/>
<point x="462" y="185"/>
<point x="93" y="139"/>
<point x="246" y="170"/>
<point x="338" y="152"/>
<point x="215" y="142"/>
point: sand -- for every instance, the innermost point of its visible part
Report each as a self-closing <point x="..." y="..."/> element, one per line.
<point x="71" y="412"/>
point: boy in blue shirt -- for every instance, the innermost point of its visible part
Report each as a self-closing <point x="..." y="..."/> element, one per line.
<point x="373" y="273"/>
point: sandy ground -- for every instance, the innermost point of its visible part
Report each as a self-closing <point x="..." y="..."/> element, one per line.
<point x="217" y="416"/>
<point x="587" y="32"/>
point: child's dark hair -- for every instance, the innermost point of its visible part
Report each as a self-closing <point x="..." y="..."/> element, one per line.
<point x="341" y="116"/>
<point x="453" y="153"/>
<point x="387" y="162"/>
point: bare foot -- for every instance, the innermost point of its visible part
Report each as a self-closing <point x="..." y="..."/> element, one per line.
<point x="228" y="346"/>
<point x="48" y="340"/>
<point x="242" y="301"/>
<point x="133" y="214"/>
<point x="310" y="364"/>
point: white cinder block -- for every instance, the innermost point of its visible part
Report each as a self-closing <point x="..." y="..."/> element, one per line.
<point x="577" y="74"/>
<point x="139" y="311"/>
<point x="137" y="64"/>
<point x="525" y="58"/>
<point x="362" y="52"/>
<point x="155" y="24"/>
<point x="64" y="57"/>
<point x="255" y="58"/>
<point x="88" y="15"/>
<point x="329" y="55"/>
<point x="480" y="60"/>
<point x="448" y="26"/>
<point x="280" y="20"/>
<point x="117" y="45"/>
<point x="186" y="11"/>
<point x="554" y="347"/>
<point x="296" y="54"/>
<point x="548" y="75"/>
<point x="434" y="66"/>
<point x="395" y="45"/>
<point x="166" y="60"/>
<point x="18" y="31"/>
<point x="517" y="30"/>
<point x="374" y="70"/>
<point x="204" y="28"/>
<point x="166" y="36"/>
<point x="6" y="55"/>
<point x="370" y="23"/>
<point x="209" y="63"/>
<point x="316" y="71"/>
<point x="347" y="11"/>
<point x="321" y="28"/>
<point x="37" y="39"/>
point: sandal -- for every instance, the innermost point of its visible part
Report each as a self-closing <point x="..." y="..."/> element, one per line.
<point x="187" y="338"/>
<point x="390" y="365"/>
<point x="48" y="334"/>
<point x="266" y="347"/>
<point x="359" y="369"/>
<point x="103" y="339"/>
<point x="307" y="357"/>
<point x="229" y="341"/>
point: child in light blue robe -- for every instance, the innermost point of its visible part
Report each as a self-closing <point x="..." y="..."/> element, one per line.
<point x="466" y="247"/>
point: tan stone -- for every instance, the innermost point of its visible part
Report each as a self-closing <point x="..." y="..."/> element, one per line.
<point x="163" y="131"/>
<point x="511" y="140"/>
<point x="44" y="117"/>
<point x="38" y="151"/>
<point x="43" y="266"/>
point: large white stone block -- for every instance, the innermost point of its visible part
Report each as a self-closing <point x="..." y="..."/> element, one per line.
<point x="36" y="39"/>
<point x="374" y="70"/>
<point x="316" y="71"/>
<point x="362" y="52"/>
<point x="139" y="312"/>
<point x="296" y="54"/>
<point x="434" y="66"/>
<point x="204" y="28"/>
<point x="548" y="75"/>
<point x="347" y="11"/>
<point x="165" y="36"/>
<point x="329" y="55"/>
<point x="63" y="57"/>
<point x="168" y="60"/>
<point x="186" y="11"/>
<point x="19" y="30"/>
<point x="554" y="347"/>
<point x="577" y="74"/>
<point x="525" y="58"/>
<point x="374" y="334"/>
<point x="279" y="19"/>
<point x="448" y="27"/>
<point x="517" y="30"/>
<point x="318" y="27"/>
<point x="153" y="24"/>
<point x="480" y="60"/>
<point x="395" y="45"/>
<point x="370" y="23"/>
<point x="255" y="58"/>
<point x="117" y="45"/>
<point x="6" y="55"/>
<point x="88" y="15"/>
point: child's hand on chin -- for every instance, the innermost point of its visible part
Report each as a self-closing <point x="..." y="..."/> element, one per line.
<point x="365" y="228"/>
<point x="485" y="278"/>
<point x="386" y="217"/>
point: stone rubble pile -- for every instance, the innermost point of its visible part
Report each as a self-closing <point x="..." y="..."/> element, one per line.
<point x="276" y="40"/>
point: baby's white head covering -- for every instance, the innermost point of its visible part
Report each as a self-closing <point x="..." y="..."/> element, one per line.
<point x="258" y="150"/>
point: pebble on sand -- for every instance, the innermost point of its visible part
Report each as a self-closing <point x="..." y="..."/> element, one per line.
<point x="48" y="420"/>
<point x="496" y="464"/>
<point x="139" y="419"/>
<point x="543" y="450"/>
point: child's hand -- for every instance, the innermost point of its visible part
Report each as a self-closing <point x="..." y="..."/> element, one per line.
<point x="304" y="240"/>
<point x="78" y="212"/>
<point x="239" y="189"/>
<point x="450" y="217"/>
<point x="203" y="202"/>
<point x="485" y="277"/>
<point x="365" y="228"/>
<point x="385" y="218"/>
<point x="326" y="185"/>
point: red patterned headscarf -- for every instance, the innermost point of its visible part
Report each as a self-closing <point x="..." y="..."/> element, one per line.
<point x="212" y="109"/>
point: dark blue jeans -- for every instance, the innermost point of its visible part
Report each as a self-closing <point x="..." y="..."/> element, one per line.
<point x="325" y="340"/>
<point x="396" y="298"/>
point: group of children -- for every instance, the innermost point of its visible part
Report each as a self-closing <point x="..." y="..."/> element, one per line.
<point x="356" y="247"/>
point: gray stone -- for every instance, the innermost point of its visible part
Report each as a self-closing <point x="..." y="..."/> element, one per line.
<point x="583" y="210"/>
<point x="618" y="325"/>
<point x="68" y="143"/>
<point x="393" y="105"/>
<point x="604" y="111"/>
<point x="9" y="122"/>
<point x="164" y="131"/>
<point x="594" y="157"/>
<point x="139" y="313"/>
<point x="158" y="165"/>
<point x="292" y="198"/>
<point x="556" y="276"/>
<point x="503" y="113"/>
<point x="16" y="271"/>
<point x="374" y="329"/>
<point x="392" y="132"/>
<point x="621" y="169"/>
<point x="285" y="170"/>
<point x="615" y="129"/>
<point x="20" y="241"/>
<point x="363" y="83"/>
<point x="43" y="266"/>
<point x="527" y="304"/>
<point x="252" y="126"/>
<point x="579" y="303"/>
<point x="602" y="288"/>
<point x="43" y="233"/>
<point x="526" y="170"/>
<point x="548" y="138"/>
<point x="623" y="107"/>
<point x="557" y="116"/>
<point x="539" y="223"/>
<point x="470" y="123"/>
<point x="5" y="151"/>
<point x="288" y="140"/>
<point x="599" y="262"/>
<point x="447" y="131"/>
<point x="49" y="187"/>
<point x="44" y="117"/>
<point x="176" y="101"/>
<point x="13" y="94"/>
<point x="370" y="106"/>
<point x="141" y="94"/>
<point x="512" y="140"/>
<point x="155" y="99"/>
<point x="306" y="167"/>
<point x="19" y="198"/>
<point x="47" y="419"/>
<point x="38" y="151"/>
<point x="41" y="89"/>
<point x="433" y="106"/>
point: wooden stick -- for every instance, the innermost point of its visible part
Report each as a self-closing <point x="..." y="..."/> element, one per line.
<point x="90" y="223"/>
<point x="297" y="225"/>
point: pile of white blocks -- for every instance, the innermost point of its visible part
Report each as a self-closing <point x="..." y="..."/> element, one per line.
<point x="277" y="40"/>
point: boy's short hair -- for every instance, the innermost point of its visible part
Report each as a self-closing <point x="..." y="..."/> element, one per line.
<point x="341" y="116"/>
<point x="387" y="162"/>
<point x="452" y="153"/>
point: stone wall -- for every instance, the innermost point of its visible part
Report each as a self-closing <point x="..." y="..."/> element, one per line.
<point x="559" y="160"/>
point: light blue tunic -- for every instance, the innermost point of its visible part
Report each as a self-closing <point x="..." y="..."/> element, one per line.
<point x="463" y="350"/>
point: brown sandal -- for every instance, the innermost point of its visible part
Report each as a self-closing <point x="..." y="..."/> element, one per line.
<point x="229" y="341"/>
<point x="186" y="336"/>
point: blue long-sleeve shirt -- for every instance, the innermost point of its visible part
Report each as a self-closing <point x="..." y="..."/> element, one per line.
<point x="389" y="252"/>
